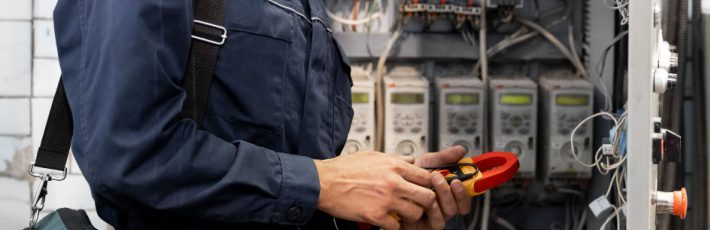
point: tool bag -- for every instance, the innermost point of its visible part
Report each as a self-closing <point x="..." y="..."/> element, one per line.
<point x="208" y="35"/>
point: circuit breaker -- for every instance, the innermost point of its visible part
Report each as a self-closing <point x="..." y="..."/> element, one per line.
<point x="565" y="103"/>
<point x="362" y="130"/>
<point x="406" y="111"/>
<point x="461" y="109"/>
<point x="513" y="115"/>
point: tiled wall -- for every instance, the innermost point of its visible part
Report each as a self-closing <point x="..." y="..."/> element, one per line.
<point x="29" y="72"/>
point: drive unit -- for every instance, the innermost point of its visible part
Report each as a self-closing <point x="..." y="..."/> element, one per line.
<point x="406" y="111"/>
<point x="362" y="130"/>
<point x="513" y="112"/>
<point x="566" y="102"/>
<point x="461" y="109"/>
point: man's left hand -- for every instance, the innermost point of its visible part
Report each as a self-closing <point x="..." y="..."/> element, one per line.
<point x="452" y="199"/>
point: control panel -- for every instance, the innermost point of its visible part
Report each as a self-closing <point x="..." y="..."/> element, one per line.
<point x="362" y="130"/>
<point x="513" y="111"/>
<point x="565" y="103"/>
<point x="406" y="111"/>
<point x="461" y="108"/>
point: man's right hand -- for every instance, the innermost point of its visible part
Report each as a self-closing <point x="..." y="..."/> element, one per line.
<point x="369" y="186"/>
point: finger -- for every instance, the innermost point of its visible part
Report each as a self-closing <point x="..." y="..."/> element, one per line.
<point x="408" y="211"/>
<point x="435" y="218"/>
<point x="444" y="195"/>
<point x="421" y="196"/>
<point x="388" y="223"/>
<point x="463" y="200"/>
<point x="443" y="157"/>
<point x="415" y="174"/>
<point x="408" y="159"/>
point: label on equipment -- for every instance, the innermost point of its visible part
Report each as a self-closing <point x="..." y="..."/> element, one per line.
<point x="599" y="205"/>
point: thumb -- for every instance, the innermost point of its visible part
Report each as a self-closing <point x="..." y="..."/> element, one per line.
<point x="452" y="154"/>
<point x="447" y="156"/>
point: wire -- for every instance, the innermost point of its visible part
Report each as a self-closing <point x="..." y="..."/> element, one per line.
<point x="486" y="210"/>
<point x="477" y="208"/>
<point x="608" y="219"/>
<point x="504" y="223"/>
<point x="557" y="43"/>
<point x="582" y="220"/>
<point x="379" y="90"/>
<point x="571" y="137"/>
<point x="354" y="22"/>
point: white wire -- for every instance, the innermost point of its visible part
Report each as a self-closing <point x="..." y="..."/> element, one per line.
<point x="379" y="90"/>
<point x="504" y="223"/>
<point x="351" y="22"/>
<point x="582" y="220"/>
<point x="486" y="210"/>
<point x="571" y="137"/>
<point x="557" y="43"/>
<point x="608" y="219"/>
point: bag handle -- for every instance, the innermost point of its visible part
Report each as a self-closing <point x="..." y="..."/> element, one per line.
<point x="208" y="35"/>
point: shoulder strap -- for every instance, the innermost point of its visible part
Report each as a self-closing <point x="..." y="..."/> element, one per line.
<point x="208" y="35"/>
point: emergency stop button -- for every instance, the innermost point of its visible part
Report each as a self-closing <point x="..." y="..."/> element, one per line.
<point x="675" y="203"/>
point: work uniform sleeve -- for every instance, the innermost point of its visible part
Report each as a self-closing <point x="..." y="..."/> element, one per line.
<point x="122" y="63"/>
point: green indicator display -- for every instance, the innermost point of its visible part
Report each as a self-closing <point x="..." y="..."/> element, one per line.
<point x="572" y="100"/>
<point x="407" y="98"/>
<point x="516" y="99"/>
<point x="361" y="98"/>
<point x="462" y="99"/>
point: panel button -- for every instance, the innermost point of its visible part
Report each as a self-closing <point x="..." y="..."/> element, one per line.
<point x="454" y="130"/>
<point x="398" y="129"/>
<point x="416" y="129"/>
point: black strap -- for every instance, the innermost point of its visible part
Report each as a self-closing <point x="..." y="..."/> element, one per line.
<point x="203" y="57"/>
<point x="54" y="148"/>
<point x="56" y="141"/>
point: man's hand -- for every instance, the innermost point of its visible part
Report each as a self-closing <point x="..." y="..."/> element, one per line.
<point x="452" y="199"/>
<point x="369" y="186"/>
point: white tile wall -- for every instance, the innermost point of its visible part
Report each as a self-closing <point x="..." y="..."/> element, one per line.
<point x="14" y="203"/>
<point x="15" y="9"/>
<point x="15" y="114"/>
<point x="44" y="8"/>
<point x="45" y="74"/>
<point x="44" y="43"/>
<point x="15" y="154"/>
<point x="15" y="59"/>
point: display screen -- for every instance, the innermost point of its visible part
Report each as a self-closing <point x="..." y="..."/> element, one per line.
<point x="360" y="98"/>
<point x="462" y="98"/>
<point x="572" y="100"/>
<point x="407" y="98"/>
<point x="516" y="99"/>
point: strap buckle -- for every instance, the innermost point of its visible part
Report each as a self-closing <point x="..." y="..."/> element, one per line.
<point x="218" y="42"/>
<point x="45" y="175"/>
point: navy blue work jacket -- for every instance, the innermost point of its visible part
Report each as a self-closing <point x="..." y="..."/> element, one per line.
<point x="279" y="99"/>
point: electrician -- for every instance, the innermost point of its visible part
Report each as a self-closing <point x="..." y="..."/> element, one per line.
<point x="278" y="113"/>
